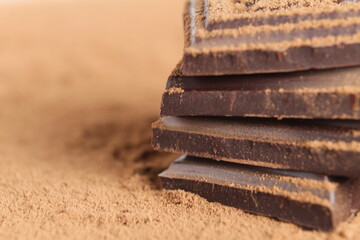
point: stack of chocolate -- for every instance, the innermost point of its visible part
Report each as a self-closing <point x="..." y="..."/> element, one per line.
<point x="266" y="106"/>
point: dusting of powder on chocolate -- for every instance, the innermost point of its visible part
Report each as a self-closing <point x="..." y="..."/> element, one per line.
<point x="294" y="33"/>
<point x="174" y="90"/>
<point x="227" y="9"/>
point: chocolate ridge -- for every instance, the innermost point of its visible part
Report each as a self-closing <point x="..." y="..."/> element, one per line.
<point x="275" y="20"/>
<point x="227" y="58"/>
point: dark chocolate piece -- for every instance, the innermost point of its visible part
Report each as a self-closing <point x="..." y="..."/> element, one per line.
<point x="310" y="200"/>
<point x="328" y="94"/>
<point x="331" y="147"/>
<point x="223" y="38"/>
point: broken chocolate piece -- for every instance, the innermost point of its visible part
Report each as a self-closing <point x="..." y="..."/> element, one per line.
<point x="231" y="37"/>
<point x="310" y="200"/>
<point x="328" y="94"/>
<point x="330" y="147"/>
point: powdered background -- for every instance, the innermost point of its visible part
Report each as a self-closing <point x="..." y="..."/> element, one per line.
<point x="80" y="83"/>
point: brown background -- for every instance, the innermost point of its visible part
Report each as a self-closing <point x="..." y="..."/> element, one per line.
<point x="80" y="84"/>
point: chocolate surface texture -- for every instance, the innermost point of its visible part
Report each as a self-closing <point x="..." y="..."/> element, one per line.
<point x="329" y="147"/>
<point x="331" y="94"/>
<point x="310" y="200"/>
<point x="243" y="37"/>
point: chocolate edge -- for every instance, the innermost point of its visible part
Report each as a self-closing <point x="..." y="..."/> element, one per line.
<point x="269" y="61"/>
<point x="231" y="197"/>
<point x="189" y="143"/>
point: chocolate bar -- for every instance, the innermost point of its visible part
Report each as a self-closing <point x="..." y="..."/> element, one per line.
<point x="243" y="37"/>
<point x="330" y="147"/>
<point x="311" y="200"/>
<point x="328" y="94"/>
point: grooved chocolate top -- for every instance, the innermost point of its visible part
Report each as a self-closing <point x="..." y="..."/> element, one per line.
<point x="227" y="13"/>
<point x="329" y="18"/>
<point x="240" y="33"/>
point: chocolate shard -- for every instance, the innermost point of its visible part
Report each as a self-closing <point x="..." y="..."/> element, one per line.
<point x="232" y="37"/>
<point x="330" y="147"/>
<point x="310" y="200"/>
<point x="330" y="94"/>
